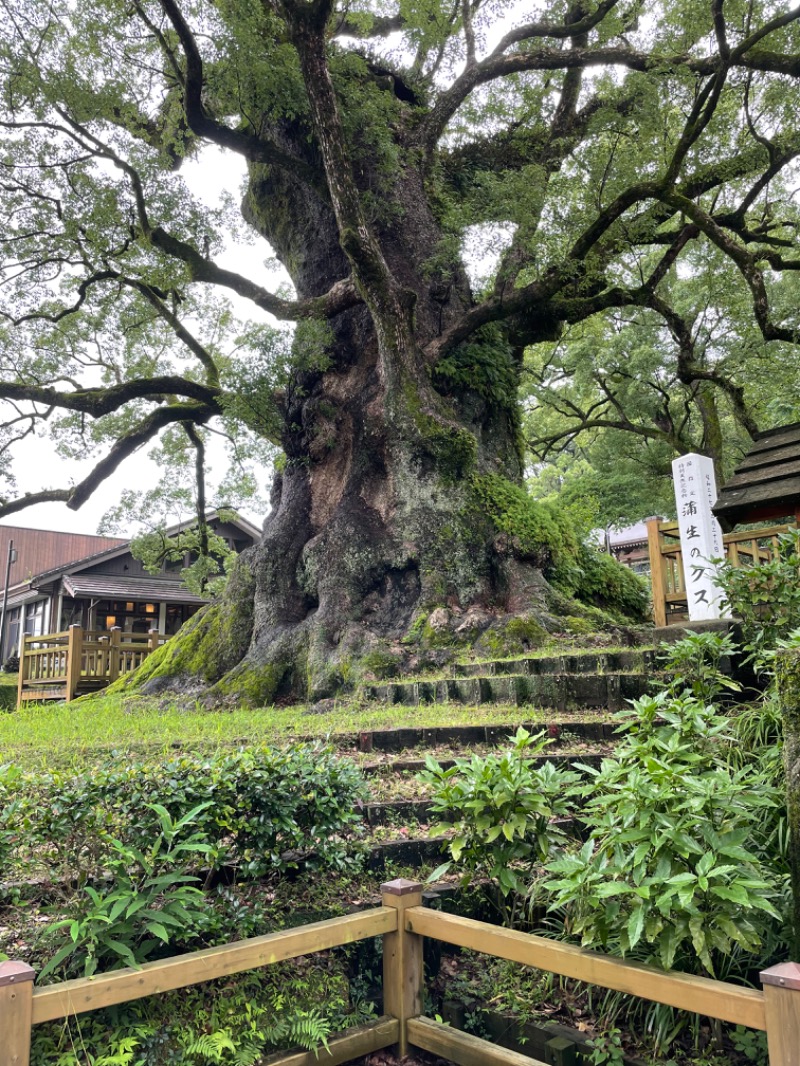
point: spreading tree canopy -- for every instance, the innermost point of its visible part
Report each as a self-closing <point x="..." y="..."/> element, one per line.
<point x="446" y="184"/>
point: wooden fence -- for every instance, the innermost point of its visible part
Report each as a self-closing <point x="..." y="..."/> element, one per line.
<point x="666" y="563"/>
<point x="403" y="922"/>
<point x="61" y="666"/>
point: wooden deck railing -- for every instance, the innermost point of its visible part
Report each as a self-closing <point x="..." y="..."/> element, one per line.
<point x="402" y="921"/>
<point x="666" y="563"/>
<point x="68" y="664"/>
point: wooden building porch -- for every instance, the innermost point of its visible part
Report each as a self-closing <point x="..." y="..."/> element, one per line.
<point x="75" y="662"/>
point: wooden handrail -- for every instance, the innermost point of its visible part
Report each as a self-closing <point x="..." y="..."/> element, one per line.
<point x="121" y="986"/>
<point x="701" y="995"/>
<point x="53" y="665"/>
<point x="403" y="922"/>
<point x="666" y="562"/>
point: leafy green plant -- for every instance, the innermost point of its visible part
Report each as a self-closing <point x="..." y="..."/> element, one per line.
<point x="501" y="807"/>
<point x="236" y="1020"/>
<point x="9" y="808"/>
<point x="154" y="901"/>
<point x="606" y="1049"/>
<point x="673" y="869"/>
<point x="750" y="1043"/>
<point x="261" y="809"/>
<point x="699" y="663"/>
<point x="766" y="597"/>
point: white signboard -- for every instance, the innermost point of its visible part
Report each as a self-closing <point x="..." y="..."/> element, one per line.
<point x="701" y="535"/>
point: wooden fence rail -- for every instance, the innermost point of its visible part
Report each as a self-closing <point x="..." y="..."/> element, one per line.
<point x="61" y="666"/>
<point x="670" y="604"/>
<point x="402" y="921"/>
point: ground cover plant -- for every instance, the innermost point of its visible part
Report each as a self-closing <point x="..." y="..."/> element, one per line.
<point x="257" y="810"/>
<point x="127" y="851"/>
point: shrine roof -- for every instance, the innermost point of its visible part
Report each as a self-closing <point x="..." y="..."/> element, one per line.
<point x="766" y="483"/>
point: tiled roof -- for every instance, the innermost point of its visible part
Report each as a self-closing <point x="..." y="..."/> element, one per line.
<point x="109" y="587"/>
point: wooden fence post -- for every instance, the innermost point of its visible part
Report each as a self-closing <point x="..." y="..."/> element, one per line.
<point x="23" y="672"/>
<point x="16" y="1007"/>
<point x="782" y="1005"/>
<point x="114" y="655"/>
<point x="153" y="641"/>
<point x="657" y="576"/>
<point x="74" y="660"/>
<point x="402" y="959"/>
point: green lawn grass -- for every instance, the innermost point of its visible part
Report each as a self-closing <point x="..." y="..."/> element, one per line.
<point x="43" y="736"/>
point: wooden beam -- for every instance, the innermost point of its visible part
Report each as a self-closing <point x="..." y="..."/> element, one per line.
<point x="114" y="654"/>
<point x="74" y="657"/>
<point x="16" y="999"/>
<point x="349" y="1045"/>
<point x="90" y="993"/>
<point x="462" y="1048"/>
<point x="657" y="572"/>
<point x="700" y="995"/>
<point x="23" y="674"/>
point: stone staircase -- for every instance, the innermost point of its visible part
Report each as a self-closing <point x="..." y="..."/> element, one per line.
<point x="556" y="682"/>
<point x="572" y="696"/>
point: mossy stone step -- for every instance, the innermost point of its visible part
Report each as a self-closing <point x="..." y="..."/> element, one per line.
<point x="562" y="760"/>
<point x="559" y="692"/>
<point x="589" y="662"/>
<point x="404" y="737"/>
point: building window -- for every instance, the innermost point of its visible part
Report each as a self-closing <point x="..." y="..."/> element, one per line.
<point x="34" y="618"/>
<point x="131" y="617"/>
<point x="12" y="633"/>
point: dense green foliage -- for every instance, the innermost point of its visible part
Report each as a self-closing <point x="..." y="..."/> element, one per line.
<point x="502" y="809"/>
<point x="616" y="248"/>
<point x="123" y="858"/>
<point x="675" y="864"/>
<point x="236" y="1021"/>
<point x="684" y="860"/>
<point x="261" y="809"/>
<point x="766" y="597"/>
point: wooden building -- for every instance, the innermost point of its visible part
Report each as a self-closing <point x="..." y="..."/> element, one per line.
<point x="60" y="579"/>
<point x="765" y="486"/>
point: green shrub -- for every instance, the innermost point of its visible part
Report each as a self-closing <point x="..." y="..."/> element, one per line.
<point x="501" y="807"/>
<point x="695" y="664"/>
<point x="154" y="902"/>
<point x="261" y="809"/>
<point x="766" y="597"/>
<point x="674" y="867"/>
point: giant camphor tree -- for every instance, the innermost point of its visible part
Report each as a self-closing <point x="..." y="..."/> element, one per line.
<point x="589" y="146"/>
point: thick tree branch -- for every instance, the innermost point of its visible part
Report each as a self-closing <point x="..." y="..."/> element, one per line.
<point x="104" y="400"/>
<point x="498" y="65"/>
<point x="339" y="297"/>
<point x="254" y="148"/>
<point x="125" y="446"/>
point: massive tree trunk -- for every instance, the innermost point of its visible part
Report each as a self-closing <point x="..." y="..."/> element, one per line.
<point x="375" y="517"/>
